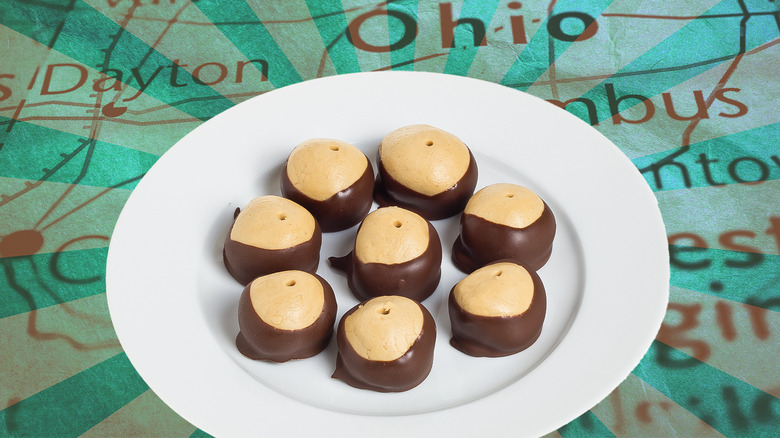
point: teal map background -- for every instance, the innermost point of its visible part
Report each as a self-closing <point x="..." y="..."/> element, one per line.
<point x="93" y="92"/>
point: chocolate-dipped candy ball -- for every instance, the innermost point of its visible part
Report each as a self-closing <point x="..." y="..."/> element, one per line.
<point x="497" y="310"/>
<point x="426" y="170"/>
<point x="271" y="234"/>
<point x="332" y="179"/>
<point x="285" y="315"/>
<point x="385" y="344"/>
<point x="504" y="221"/>
<point x="396" y="252"/>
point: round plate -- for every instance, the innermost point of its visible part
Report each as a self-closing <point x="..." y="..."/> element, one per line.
<point x="174" y="306"/>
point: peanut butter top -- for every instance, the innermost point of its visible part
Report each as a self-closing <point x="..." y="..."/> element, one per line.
<point x="287" y="300"/>
<point x="384" y="328"/>
<point x="391" y="235"/>
<point x="506" y="204"/>
<point x="425" y="159"/>
<point x="273" y="222"/>
<point x="500" y="289"/>
<point x="322" y="167"/>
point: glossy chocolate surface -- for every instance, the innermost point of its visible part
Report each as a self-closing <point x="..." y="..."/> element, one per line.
<point x="497" y="336"/>
<point x="397" y="375"/>
<point x="342" y="210"/>
<point x="482" y="242"/>
<point x="261" y="341"/>
<point x="416" y="279"/>
<point x="246" y="262"/>
<point x="388" y="191"/>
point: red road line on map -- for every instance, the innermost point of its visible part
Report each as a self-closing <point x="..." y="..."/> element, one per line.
<point x="67" y="191"/>
<point x="64" y="305"/>
<point x="94" y="127"/>
<point x="609" y="75"/>
<point x="551" y="6"/>
<point x="53" y="206"/>
<point x="422" y="58"/>
<point x="50" y="102"/>
<point x="550" y="50"/>
<point x="130" y="111"/>
<point x="172" y="105"/>
<point x="553" y="81"/>
<point x="685" y="17"/>
<point x="94" y="131"/>
<point x="211" y="23"/>
<point x="129" y="122"/>
<point x="616" y="401"/>
<point x="32" y="320"/>
<point x="170" y="24"/>
<point x="33" y="332"/>
<point x="5" y="199"/>
<point x="79" y="207"/>
<point x="18" y="110"/>
<point x="669" y="17"/>
<point x="686" y="137"/>
<point x="130" y="15"/>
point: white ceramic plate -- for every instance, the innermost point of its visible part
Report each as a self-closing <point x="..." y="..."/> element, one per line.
<point x="174" y="307"/>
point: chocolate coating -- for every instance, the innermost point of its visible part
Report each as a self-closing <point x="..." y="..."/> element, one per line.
<point x="342" y="210"/>
<point x="482" y="242"/>
<point x="388" y="191"/>
<point x="397" y="375"/>
<point x="246" y="262"/>
<point x="416" y="279"/>
<point x="261" y="341"/>
<point x="497" y="336"/>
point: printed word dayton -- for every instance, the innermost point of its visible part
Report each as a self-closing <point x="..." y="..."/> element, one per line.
<point x="68" y="77"/>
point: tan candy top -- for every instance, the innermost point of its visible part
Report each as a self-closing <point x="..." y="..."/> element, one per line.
<point x="287" y="300"/>
<point x="384" y="328"/>
<point x="272" y="222"/>
<point x="500" y="289"/>
<point x="506" y="204"/>
<point x="425" y="159"/>
<point x="391" y="235"/>
<point x="322" y="167"/>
